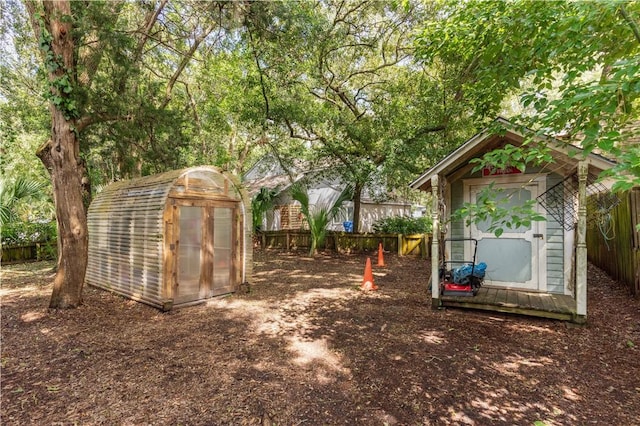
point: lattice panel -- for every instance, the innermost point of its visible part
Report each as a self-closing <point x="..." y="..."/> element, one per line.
<point x="561" y="200"/>
<point x="291" y="217"/>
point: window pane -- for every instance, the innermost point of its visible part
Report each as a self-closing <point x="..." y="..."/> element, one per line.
<point x="515" y="197"/>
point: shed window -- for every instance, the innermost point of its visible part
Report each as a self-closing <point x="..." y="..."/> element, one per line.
<point x="222" y="247"/>
<point x="201" y="182"/>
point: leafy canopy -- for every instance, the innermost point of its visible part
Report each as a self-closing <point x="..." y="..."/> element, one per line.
<point x="575" y="66"/>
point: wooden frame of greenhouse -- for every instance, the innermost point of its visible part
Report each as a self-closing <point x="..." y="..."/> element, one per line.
<point x="171" y="239"/>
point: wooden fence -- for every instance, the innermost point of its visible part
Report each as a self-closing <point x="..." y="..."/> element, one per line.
<point x="613" y="242"/>
<point x="342" y="242"/>
<point x="347" y="242"/>
<point x="45" y="250"/>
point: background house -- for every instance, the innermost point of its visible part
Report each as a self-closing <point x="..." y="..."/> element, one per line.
<point x="323" y="189"/>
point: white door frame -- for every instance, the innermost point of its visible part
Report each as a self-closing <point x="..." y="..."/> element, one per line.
<point x="537" y="184"/>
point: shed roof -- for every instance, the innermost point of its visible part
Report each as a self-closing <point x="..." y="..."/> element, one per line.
<point x="157" y="187"/>
<point x="565" y="155"/>
<point x="267" y="174"/>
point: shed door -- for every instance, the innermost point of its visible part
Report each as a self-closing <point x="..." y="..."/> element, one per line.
<point x="222" y="251"/>
<point x="515" y="259"/>
<point x="205" y="254"/>
<point x="189" y="254"/>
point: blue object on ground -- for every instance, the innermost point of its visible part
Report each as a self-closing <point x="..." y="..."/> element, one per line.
<point x="348" y="226"/>
<point x="461" y="275"/>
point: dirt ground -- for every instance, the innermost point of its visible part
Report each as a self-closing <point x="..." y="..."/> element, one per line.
<point x="306" y="347"/>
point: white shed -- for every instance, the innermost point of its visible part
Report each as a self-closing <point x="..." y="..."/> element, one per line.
<point x="538" y="269"/>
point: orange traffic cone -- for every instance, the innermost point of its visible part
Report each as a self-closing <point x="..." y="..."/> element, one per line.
<point x="380" y="255"/>
<point x="367" y="281"/>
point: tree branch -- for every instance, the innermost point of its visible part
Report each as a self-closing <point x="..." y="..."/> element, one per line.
<point x="151" y="19"/>
<point x="630" y="21"/>
<point x="32" y="9"/>
<point x="183" y="64"/>
<point x="325" y="98"/>
<point x="263" y="87"/>
<point x="93" y="49"/>
<point x="193" y="106"/>
<point x="88" y="120"/>
<point x="295" y="135"/>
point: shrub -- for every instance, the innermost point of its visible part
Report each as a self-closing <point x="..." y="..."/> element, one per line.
<point x="403" y="225"/>
<point x="22" y="233"/>
<point x="48" y="250"/>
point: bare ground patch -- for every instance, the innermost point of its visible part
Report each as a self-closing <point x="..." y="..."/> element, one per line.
<point x="306" y="347"/>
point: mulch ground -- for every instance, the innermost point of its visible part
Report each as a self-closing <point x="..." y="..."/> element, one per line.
<point x="306" y="347"/>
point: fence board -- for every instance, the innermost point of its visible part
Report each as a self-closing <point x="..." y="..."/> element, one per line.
<point x="613" y="243"/>
<point x="347" y="242"/>
<point x="28" y="252"/>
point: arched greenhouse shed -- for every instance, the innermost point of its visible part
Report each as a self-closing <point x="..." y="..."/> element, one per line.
<point x="170" y="239"/>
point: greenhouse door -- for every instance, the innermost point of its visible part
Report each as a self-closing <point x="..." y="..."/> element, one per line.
<point x="222" y="263"/>
<point x="190" y="254"/>
<point x="205" y="251"/>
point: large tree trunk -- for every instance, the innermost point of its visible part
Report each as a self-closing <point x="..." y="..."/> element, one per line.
<point x="71" y="220"/>
<point x="62" y="159"/>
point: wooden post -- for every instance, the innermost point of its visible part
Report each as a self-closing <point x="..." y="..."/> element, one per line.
<point x="435" y="250"/>
<point x="171" y="218"/>
<point x="424" y="246"/>
<point x="400" y="244"/>
<point x="581" y="246"/>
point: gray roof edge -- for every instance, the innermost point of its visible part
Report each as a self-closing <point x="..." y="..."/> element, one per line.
<point x="595" y="159"/>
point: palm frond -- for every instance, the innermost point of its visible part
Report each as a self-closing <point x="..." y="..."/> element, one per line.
<point x="320" y="216"/>
<point x="14" y="191"/>
<point x="262" y="203"/>
<point x="345" y="195"/>
<point x="299" y="193"/>
<point x="6" y="215"/>
<point x="25" y="187"/>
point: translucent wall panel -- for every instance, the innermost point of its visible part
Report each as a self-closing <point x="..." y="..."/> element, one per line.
<point x="189" y="253"/>
<point x="222" y="249"/>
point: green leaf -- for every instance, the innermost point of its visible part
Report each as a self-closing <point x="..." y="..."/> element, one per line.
<point x="606" y="144"/>
<point x="621" y="186"/>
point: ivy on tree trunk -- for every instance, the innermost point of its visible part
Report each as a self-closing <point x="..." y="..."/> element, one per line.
<point x="61" y="154"/>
